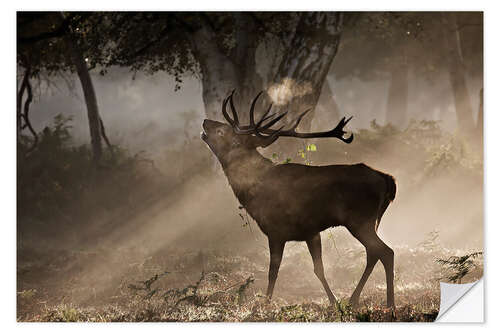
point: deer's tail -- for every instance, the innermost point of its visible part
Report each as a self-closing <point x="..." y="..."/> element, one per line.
<point x="390" y="194"/>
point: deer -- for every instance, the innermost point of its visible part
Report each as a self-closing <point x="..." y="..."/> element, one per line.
<point x="295" y="202"/>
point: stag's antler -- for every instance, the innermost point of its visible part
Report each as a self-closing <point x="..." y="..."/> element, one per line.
<point x="264" y="130"/>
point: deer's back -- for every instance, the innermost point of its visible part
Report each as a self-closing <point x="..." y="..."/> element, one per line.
<point x="295" y="201"/>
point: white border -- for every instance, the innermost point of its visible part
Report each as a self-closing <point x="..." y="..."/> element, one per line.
<point x="7" y="199"/>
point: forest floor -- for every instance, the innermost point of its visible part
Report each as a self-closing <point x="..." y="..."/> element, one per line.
<point x="108" y="285"/>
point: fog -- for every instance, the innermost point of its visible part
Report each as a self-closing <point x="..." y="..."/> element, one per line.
<point x="144" y="113"/>
<point x="192" y="212"/>
<point x="128" y="104"/>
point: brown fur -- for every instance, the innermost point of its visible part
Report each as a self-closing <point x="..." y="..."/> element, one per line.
<point x="294" y="202"/>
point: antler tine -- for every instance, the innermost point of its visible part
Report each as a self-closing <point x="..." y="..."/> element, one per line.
<point x="348" y="140"/>
<point x="297" y="121"/>
<point x="268" y="117"/>
<point x="255" y="128"/>
<point x="272" y="122"/>
<point x="338" y="132"/>
<point x="265" y="116"/>
<point x="224" y="112"/>
<point x="233" y="110"/>
<point x="339" y="129"/>
<point x="265" y="131"/>
<point x="340" y="126"/>
<point x="271" y="138"/>
<point x="235" y="121"/>
<point x="252" y="110"/>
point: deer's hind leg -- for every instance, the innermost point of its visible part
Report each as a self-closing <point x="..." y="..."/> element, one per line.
<point x="314" y="245"/>
<point x="375" y="249"/>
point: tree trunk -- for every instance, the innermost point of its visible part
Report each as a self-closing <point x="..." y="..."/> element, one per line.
<point x="457" y="75"/>
<point x="244" y="56"/>
<point x="306" y="63"/>
<point x="480" y="121"/>
<point x="90" y="98"/>
<point x="328" y="104"/>
<point x="219" y="73"/>
<point x="397" y="100"/>
<point x="223" y="73"/>
<point x="20" y="95"/>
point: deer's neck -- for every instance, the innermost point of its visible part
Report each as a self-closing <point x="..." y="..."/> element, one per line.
<point x="243" y="170"/>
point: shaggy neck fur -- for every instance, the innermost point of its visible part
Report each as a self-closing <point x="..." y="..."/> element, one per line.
<point x="243" y="169"/>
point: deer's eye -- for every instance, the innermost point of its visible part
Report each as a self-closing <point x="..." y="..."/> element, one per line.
<point x="220" y="132"/>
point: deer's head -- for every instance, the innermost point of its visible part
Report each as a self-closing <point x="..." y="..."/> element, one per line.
<point x="228" y="141"/>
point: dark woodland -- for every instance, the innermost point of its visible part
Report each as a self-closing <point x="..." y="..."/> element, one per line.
<point x="314" y="126"/>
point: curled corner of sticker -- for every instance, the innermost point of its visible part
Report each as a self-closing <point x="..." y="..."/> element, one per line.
<point x="452" y="296"/>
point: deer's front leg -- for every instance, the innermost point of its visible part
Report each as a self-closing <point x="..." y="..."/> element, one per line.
<point x="314" y="245"/>
<point x="276" y="254"/>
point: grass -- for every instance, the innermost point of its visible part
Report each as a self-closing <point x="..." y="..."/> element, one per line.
<point x="225" y="287"/>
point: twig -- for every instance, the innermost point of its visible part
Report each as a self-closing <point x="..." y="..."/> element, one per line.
<point x="334" y="243"/>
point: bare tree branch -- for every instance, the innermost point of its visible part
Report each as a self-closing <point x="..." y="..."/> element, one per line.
<point x="27" y="122"/>
<point x="20" y="95"/>
<point x="104" y="136"/>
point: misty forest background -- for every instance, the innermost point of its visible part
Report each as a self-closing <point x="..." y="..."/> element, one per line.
<point x="124" y="215"/>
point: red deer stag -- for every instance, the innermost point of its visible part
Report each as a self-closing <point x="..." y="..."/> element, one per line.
<point x="295" y="202"/>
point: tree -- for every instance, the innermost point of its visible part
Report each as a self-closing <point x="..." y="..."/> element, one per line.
<point x="221" y="48"/>
<point x="391" y="45"/>
<point x="308" y="60"/>
<point x="386" y="47"/>
<point x="48" y="42"/>
<point x="82" y="70"/>
<point x="327" y="102"/>
<point x="457" y="70"/>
